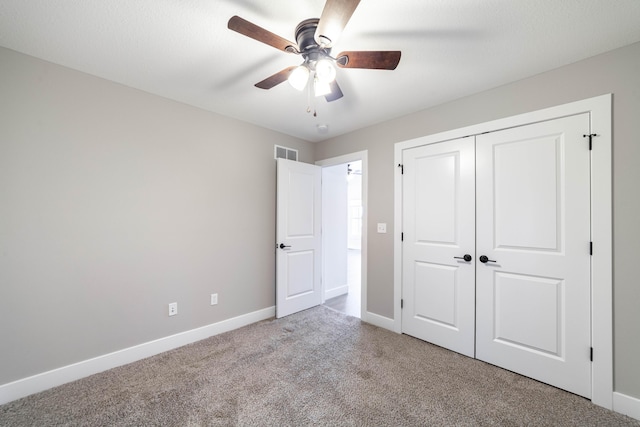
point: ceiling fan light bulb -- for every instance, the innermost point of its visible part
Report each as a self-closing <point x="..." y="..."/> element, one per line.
<point x="298" y="77"/>
<point x="325" y="70"/>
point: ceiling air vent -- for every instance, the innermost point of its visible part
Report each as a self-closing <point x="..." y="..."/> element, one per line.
<point x="280" y="152"/>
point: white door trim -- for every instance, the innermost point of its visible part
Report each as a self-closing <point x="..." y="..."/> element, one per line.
<point x="354" y="157"/>
<point x="601" y="224"/>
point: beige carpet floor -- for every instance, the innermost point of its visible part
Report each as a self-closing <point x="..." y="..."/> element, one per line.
<point x="318" y="367"/>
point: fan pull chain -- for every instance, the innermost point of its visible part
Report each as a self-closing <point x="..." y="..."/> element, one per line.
<point x="309" y="102"/>
<point x="308" y="97"/>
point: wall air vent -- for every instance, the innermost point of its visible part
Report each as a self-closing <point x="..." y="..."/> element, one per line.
<point x="280" y="152"/>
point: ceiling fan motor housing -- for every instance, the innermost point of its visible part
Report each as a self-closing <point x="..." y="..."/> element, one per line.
<point x="307" y="45"/>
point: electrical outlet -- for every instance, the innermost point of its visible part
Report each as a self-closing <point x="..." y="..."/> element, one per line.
<point x="173" y="309"/>
<point x="214" y="299"/>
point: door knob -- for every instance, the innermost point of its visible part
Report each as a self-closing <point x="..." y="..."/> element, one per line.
<point x="466" y="257"/>
<point x="282" y="246"/>
<point x="485" y="259"/>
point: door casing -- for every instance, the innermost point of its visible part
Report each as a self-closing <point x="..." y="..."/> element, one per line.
<point x="599" y="109"/>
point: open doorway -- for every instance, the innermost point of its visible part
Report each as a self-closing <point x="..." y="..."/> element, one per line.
<point x="344" y="233"/>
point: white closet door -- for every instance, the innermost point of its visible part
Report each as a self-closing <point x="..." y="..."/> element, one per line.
<point x="533" y="224"/>
<point x="438" y="226"/>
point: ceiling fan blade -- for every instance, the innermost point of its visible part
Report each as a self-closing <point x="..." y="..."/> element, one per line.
<point x="255" y="32"/>
<point x="275" y="79"/>
<point x="370" y="59"/>
<point x="336" y="92"/>
<point x="334" y="18"/>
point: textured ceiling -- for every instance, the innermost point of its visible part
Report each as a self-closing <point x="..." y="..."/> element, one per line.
<point x="183" y="50"/>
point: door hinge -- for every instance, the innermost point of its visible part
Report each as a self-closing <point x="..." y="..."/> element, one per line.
<point x="590" y="248"/>
<point x="401" y="303"/>
<point x="591" y="354"/>
<point x="590" y="136"/>
<point x="402" y="237"/>
<point x="401" y="166"/>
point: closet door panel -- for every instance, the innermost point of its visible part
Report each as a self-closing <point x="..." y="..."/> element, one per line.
<point x="533" y="227"/>
<point x="438" y="226"/>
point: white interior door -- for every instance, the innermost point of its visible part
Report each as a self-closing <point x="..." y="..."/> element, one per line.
<point x="438" y="227"/>
<point x="299" y="244"/>
<point x="533" y="224"/>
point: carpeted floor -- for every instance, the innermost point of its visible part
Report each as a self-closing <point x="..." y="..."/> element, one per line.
<point x="317" y="367"/>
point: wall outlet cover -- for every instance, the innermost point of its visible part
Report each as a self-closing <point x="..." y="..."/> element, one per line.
<point x="173" y="309"/>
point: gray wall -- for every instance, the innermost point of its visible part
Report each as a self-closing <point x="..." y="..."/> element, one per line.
<point x="114" y="203"/>
<point x="616" y="72"/>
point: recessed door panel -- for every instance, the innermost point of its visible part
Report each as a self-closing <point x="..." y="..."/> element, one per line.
<point x="528" y="193"/>
<point x="300" y="274"/>
<point x="300" y="206"/>
<point x="436" y="182"/>
<point x="438" y="227"/>
<point x="435" y="293"/>
<point x="529" y="313"/>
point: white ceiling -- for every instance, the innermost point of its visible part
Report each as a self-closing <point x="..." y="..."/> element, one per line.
<point x="182" y="50"/>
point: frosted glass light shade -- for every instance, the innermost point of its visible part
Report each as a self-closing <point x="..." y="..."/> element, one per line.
<point x="325" y="70"/>
<point x="321" y="88"/>
<point x="298" y="77"/>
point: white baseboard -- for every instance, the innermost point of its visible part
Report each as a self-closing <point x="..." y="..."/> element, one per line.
<point x="381" y="321"/>
<point x="46" y="380"/>
<point x="626" y="405"/>
<point x="336" y="292"/>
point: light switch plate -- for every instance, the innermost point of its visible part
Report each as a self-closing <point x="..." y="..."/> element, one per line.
<point x="382" y="227"/>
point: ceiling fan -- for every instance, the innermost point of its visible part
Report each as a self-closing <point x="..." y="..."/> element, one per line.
<point x="314" y="39"/>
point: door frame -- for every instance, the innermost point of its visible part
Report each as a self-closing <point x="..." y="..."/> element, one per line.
<point x="599" y="109"/>
<point x="348" y="158"/>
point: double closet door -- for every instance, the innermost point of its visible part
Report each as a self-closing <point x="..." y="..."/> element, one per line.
<point x="495" y="256"/>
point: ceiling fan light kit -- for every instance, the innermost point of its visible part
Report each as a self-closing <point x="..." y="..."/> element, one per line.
<point x="325" y="70"/>
<point x="314" y="38"/>
<point x="321" y="88"/>
<point x="299" y="77"/>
